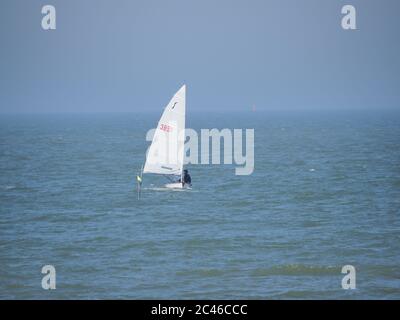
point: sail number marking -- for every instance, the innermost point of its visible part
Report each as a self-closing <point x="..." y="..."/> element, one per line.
<point x="165" y="127"/>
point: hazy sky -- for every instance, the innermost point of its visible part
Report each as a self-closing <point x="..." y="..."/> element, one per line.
<point x="126" y="55"/>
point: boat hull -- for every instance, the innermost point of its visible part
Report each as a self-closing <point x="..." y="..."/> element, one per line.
<point x="177" y="185"/>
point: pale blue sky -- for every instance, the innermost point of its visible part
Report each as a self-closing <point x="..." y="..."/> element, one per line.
<point x="125" y="55"/>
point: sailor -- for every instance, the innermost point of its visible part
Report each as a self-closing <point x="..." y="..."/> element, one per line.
<point x="186" y="178"/>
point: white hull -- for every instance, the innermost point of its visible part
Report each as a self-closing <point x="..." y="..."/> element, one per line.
<point x="177" y="185"/>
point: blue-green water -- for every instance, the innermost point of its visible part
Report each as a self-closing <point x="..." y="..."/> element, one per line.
<point x="325" y="193"/>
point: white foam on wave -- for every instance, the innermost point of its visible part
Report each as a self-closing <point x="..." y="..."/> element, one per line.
<point x="8" y="187"/>
<point x="164" y="189"/>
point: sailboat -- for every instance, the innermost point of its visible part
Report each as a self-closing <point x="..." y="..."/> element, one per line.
<point x="166" y="153"/>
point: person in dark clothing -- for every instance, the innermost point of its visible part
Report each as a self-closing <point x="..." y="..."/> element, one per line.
<point x="186" y="178"/>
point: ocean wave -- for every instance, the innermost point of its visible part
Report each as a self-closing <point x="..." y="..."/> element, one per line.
<point x="296" y="270"/>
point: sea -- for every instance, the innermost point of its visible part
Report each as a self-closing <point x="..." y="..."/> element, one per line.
<point x="324" y="194"/>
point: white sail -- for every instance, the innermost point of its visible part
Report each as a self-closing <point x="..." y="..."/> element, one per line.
<point x="166" y="152"/>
